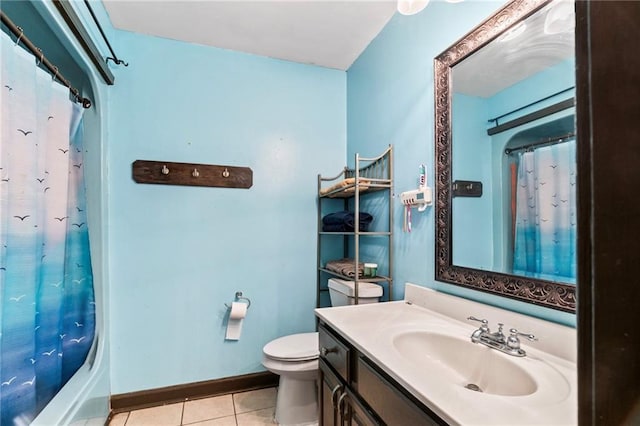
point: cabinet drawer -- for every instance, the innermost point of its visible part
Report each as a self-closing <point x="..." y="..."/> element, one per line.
<point x="390" y="404"/>
<point x="334" y="352"/>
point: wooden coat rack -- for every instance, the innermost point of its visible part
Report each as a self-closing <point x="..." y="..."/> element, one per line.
<point x="188" y="174"/>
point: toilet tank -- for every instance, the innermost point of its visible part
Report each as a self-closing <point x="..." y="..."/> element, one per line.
<point x="342" y="292"/>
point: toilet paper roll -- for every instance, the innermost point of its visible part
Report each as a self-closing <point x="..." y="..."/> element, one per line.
<point x="236" y="316"/>
<point x="238" y="310"/>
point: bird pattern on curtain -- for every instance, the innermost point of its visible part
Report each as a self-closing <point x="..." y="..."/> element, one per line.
<point x="545" y="223"/>
<point x="47" y="309"/>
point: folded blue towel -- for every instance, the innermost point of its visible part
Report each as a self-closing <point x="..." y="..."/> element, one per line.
<point x="345" y="221"/>
<point x="337" y="227"/>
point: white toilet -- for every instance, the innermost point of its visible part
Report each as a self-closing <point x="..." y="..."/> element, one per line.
<point x="295" y="359"/>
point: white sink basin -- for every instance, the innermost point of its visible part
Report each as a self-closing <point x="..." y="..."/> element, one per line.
<point x="474" y="367"/>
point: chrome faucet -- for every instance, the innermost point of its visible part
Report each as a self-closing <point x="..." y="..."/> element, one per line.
<point x="509" y="345"/>
<point x="483" y="330"/>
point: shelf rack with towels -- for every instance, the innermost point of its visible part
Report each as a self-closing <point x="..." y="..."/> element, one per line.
<point x="369" y="176"/>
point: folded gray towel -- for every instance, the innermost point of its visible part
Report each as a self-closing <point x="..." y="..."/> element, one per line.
<point x="345" y="267"/>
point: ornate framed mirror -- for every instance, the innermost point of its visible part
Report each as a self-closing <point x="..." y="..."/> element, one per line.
<point x="507" y="88"/>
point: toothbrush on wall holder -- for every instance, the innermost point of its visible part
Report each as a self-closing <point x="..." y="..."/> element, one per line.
<point x="420" y="198"/>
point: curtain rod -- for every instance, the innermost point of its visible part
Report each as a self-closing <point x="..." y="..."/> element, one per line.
<point x="37" y="52"/>
<point x="542" y="142"/>
<point x="495" y="120"/>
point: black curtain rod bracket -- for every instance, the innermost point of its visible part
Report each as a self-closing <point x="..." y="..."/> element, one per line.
<point x="113" y="56"/>
<point x="117" y="61"/>
<point x="37" y="52"/>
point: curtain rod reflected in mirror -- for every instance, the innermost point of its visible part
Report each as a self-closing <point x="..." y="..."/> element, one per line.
<point x="540" y="143"/>
<point x="474" y="55"/>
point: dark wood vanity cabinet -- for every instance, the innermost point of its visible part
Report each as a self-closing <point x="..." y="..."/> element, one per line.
<point x="338" y="404"/>
<point x="354" y="391"/>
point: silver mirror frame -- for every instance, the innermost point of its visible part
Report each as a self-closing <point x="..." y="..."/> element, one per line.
<point x="539" y="292"/>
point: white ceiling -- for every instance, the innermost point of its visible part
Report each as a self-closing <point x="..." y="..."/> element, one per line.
<point x="329" y="33"/>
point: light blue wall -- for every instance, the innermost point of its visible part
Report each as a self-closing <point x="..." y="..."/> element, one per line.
<point x="390" y="100"/>
<point x="179" y="253"/>
<point x="472" y="239"/>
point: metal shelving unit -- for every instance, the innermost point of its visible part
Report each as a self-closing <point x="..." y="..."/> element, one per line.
<point x="369" y="176"/>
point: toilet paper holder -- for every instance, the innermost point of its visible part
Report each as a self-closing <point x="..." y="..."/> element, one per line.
<point x="238" y="297"/>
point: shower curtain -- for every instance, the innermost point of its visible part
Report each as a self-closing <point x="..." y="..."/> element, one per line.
<point x="47" y="309"/>
<point x="545" y="222"/>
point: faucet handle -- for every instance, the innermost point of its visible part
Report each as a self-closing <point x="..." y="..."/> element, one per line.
<point x="514" y="343"/>
<point x="484" y="322"/>
<point x="516" y="333"/>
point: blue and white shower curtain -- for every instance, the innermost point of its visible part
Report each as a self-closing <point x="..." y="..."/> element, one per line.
<point x="47" y="309"/>
<point x="545" y="231"/>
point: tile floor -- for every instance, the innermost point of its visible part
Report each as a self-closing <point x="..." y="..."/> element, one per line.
<point x="252" y="408"/>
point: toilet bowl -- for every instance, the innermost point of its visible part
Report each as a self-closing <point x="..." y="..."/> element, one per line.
<point x="295" y="359"/>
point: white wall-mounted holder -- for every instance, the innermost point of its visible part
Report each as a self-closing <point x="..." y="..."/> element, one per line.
<point x="420" y="198"/>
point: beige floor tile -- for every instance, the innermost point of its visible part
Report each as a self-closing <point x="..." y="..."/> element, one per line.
<point x="119" y="419"/>
<point x="222" y="421"/>
<point x="254" y="400"/>
<point x="257" y="418"/>
<point x="165" y="415"/>
<point x="207" y="408"/>
<point x="95" y="421"/>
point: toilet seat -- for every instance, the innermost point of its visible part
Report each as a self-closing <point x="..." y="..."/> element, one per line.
<point x="293" y="348"/>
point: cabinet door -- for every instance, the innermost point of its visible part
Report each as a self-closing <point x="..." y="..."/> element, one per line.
<point x="355" y="414"/>
<point x="331" y="388"/>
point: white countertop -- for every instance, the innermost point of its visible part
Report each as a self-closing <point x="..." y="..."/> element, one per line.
<point x="371" y="329"/>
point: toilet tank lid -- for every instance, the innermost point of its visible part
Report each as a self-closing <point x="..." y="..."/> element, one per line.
<point x="365" y="289"/>
<point x="295" y="347"/>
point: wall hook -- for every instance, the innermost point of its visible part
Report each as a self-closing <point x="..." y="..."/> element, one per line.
<point x="165" y="169"/>
<point x="225" y="173"/>
<point x="195" y="173"/>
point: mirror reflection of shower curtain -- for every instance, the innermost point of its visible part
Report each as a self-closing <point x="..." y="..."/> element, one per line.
<point x="47" y="309"/>
<point x="545" y="222"/>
